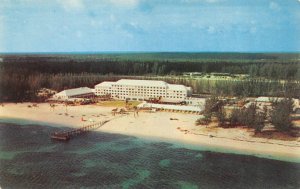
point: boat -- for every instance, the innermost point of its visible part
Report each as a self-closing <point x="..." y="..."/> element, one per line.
<point x="62" y="137"/>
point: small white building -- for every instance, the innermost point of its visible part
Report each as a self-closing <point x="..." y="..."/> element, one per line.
<point x="81" y="92"/>
<point x="181" y="108"/>
<point x="192" y="101"/>
<point x="262" y="102"/>
<point x="263" y="99"/>
<point x="128" y="89"/>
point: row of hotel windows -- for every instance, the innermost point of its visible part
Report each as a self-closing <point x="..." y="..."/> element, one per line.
<point x="139" y="93"/>
<point x="141" y="90"/>
<point x="121" y="87"/>
<point x="174" y="91"/>
<point x="151" y="87"/>
<point x="130" y="89"/>
<point x="122" y="96"/>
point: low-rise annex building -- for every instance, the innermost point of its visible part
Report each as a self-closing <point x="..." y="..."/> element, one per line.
<point x="169" y="107"/>
<point x="128" y="89"/>
<point x="81" y="92"/>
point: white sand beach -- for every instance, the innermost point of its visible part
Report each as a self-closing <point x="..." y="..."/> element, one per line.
<point x="179" y="129"/>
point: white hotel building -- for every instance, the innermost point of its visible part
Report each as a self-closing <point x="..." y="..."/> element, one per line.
<point x="143" y="90"/>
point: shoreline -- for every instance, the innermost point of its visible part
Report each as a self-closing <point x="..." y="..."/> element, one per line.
<point x="156" y="127"/>
<point x="243" y="149"/>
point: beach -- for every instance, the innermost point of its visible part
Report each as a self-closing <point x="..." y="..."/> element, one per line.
<point x="163" y="126"/>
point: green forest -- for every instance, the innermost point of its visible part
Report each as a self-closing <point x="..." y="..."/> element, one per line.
<point x="21" y="75"/>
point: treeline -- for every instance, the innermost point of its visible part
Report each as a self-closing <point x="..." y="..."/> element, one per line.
<point x="21" y="75"/>
<point x="253" y="116"/>
<point x="22" y="87"/>
<point x="276" y="69"/>
<point x="243" y="88"/>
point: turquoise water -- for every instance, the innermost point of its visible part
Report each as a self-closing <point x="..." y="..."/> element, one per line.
<point x="29" y="159"/>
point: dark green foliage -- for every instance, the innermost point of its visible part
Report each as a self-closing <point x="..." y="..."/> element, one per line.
<point x="259" y="121"/>
<point x="234" y="118"/>
<point x="220" y="114"/>
<point x="248" y="116"/>
<point x="213" y="106"/>
<point x="281" y="114"/>
<point x="21" y="75"/>
<point x="251" y="117"/>
<point x="272" y="66"/>
<point x="203" y="121"/>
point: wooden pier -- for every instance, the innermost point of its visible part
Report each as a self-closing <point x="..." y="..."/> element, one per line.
<point x="67" y="135"/>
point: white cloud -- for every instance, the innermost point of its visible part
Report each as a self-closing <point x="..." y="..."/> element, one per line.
<point x="78" y="34"/>
<point x="199" y="1"/>
<point x="253" y="29"/>
<point x="211" y="1"/>
<point x="72" y="5"/>
<point x="112" y="17"/>
<point x="211" y="29"/>
<point x="96" y="23"/>
<point x="125" y="3"/>
<point x="274" y="6"/>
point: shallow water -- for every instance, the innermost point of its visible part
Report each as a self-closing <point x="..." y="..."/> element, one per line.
<point x="29" y="159"/>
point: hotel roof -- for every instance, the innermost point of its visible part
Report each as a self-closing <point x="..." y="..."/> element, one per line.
<point x="106" y="84"/>
<point x="176" y="87"/>
<point x="76" y="91"/>
<point x="153" y="83"/>
<point x="134" y="82"/>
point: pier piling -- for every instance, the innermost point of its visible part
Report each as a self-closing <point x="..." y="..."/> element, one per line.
<point x="67" y="135"/>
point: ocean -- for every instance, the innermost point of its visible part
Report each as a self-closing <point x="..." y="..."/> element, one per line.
<point x="30" y="159"/>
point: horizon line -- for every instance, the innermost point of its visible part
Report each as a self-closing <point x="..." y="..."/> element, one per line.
<point x="138" y="52"/>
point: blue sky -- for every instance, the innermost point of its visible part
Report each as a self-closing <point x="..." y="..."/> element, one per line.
<point x="149" y="25"/>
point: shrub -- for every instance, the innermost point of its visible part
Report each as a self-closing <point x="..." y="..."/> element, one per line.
<point x="281" y="114"/>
